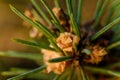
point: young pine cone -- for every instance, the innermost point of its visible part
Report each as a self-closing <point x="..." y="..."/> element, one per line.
<point x="65" y="41"/>
<point x="97" y="54"/>
<point x="57" y="68"/>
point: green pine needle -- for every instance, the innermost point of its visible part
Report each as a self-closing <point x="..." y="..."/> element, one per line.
<point x="103" y="71"/>
<point x="66" y="73"/>
<point x="75" y="48"/>
<point x="56" y="47"/>
<point x="36" y="57"/>
<point x="53" y="16"/>
<point x="35" y="13"/>
<point x="35" y="76"/>
<point x="13" y="72"/>
<point x="75" y="28"/>
<point x="114" y="65"/>
<point x="45" y="31"/>
<point x="35" y="24"/>
<point x="113" y="45"/>
<point x="79" y="12"/>
<point x="98" y="7"/>
<point x="114" y="4"/>
<point x="102" y="10"/>
<point x="83" y="73"/>
<point x="60" y="59"/>
<point x="104" y="29"/>
<point x="32" y="44"/>
<point x="74" y="8"/>
<point x="57" y="3"/>
<point x="56" y="77"/>
<point x="41" y="11"/>
<point x="110" y="13"/>
<point x="28" y="73"/>
<point x="70" y="75"/>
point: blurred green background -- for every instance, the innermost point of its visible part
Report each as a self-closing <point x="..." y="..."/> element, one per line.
<point x="11" y="25"/>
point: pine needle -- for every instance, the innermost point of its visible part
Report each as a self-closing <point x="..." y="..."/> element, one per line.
<point x="57" y="3"/>
<point x="56" y="47"/>
<point x="114" y="65"/>
<point x="74" y="8"/>
<point x="37" y="16"/>
<point x="83" y="73"/>
<point x="60" y="59"/>
<point x="36" y="57"/>
<point x="104" y="29"/>
<point x="103" y="71"/>
<point x="97" y="10"/>
<point x="56" y="77"/>
<point x="75" y="28"/>
<point x="35" y="24"/>
<point x="53" y="16"/>
<point x="32" y="44"/>
<point x="28" y="73"/>
<point x="114" y="4"/>
<point x="102" y="10"/>
<point x="113" y="45"/>
<point x="41" y="11"/>
<point x="79" y="12"/>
